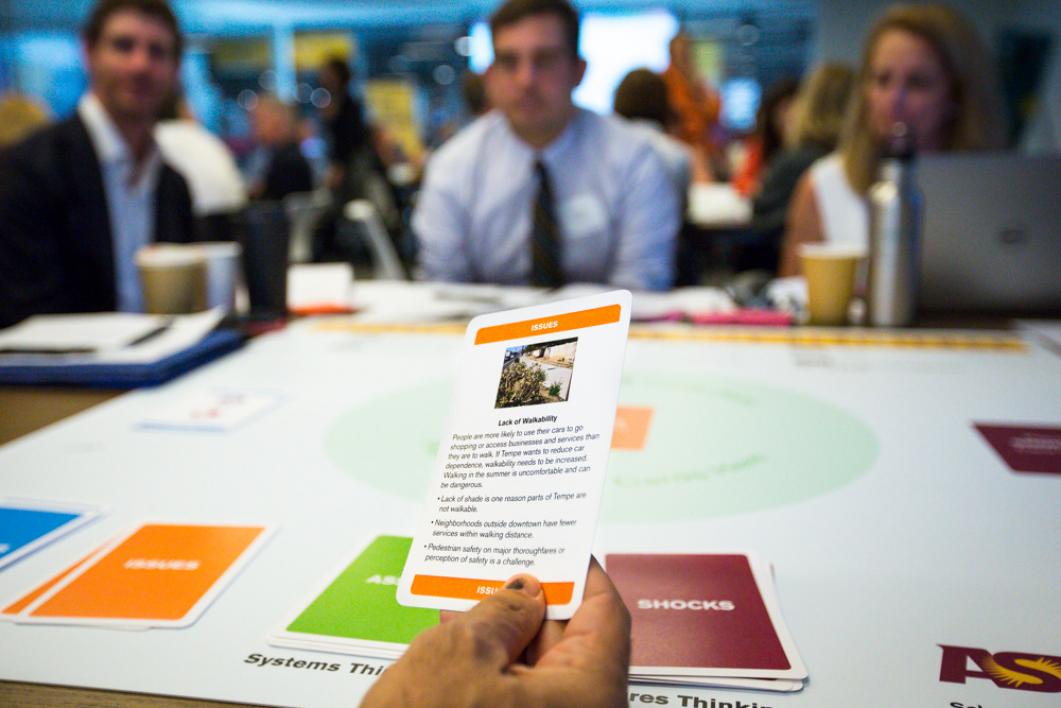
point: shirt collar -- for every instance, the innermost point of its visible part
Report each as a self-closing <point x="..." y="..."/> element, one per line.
<point x="110" y="146"/>
<point x="551" y="152"/>
<point x="564" y="141"/>
<point x="649" y="124"/>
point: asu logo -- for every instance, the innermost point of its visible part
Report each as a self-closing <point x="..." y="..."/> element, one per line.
<point x="1008" y="669"/>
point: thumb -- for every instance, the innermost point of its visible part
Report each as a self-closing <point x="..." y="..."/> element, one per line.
<point x="504" y="623"/>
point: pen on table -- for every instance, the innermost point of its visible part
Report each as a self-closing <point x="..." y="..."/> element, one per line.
<point x="41" y="350"/>
<point x="151" y="334"/>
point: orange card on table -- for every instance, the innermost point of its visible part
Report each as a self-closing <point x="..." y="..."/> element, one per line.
<point x="12" y="610"/>
<point x="631" y="427"/>
<point x="159" y="575"/>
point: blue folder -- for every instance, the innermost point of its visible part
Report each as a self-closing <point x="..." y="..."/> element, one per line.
<point x="103" y="375"/>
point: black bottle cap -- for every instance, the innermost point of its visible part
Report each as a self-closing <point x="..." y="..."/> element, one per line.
<point x="900" y="144"/>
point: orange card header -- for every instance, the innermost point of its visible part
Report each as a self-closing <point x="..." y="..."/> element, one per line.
<point x="548" y="325"/>
<point x="472" y="589"/>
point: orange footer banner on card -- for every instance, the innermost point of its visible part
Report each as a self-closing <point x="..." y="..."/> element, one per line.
<point x="475" y="589"/>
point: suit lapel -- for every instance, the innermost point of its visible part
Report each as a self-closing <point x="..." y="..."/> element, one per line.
<point x="90" y="216"/>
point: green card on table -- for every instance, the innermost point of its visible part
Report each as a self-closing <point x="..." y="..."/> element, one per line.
<point x="360" y="603"/>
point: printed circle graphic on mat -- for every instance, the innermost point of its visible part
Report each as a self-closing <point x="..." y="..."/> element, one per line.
<point x="714" y="446"/>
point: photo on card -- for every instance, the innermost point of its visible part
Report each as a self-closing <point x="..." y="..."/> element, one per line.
<point x="537" y="373"/>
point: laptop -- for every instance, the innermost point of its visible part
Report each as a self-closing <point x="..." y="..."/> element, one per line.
<point x="992" y="233"/>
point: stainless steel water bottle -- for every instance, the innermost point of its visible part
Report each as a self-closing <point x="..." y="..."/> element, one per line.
<point x="895" y="208"/>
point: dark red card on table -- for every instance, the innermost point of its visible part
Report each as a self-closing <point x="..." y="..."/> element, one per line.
<point x="704" y="614"/>
<point x="1025" y="448"/>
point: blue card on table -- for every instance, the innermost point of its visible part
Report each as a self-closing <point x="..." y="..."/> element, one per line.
<point x="28" y="525"/>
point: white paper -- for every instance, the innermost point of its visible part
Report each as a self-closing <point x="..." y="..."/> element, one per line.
<point x="319" y="284"/>
<point x="718" y="205"/>
<point x="683" y="301"/>
<point x="788" y="294"/>
<point x="96" y="332"/>
<point x="177" y="334"/>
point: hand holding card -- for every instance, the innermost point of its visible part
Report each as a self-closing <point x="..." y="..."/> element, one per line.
<point x="475" y="657"/>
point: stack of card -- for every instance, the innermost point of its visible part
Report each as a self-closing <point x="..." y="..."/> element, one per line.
<point x="157" y="575"/>
<point x="356" y="611"/>
<point x="706" y="620"/>
<point x="27" y="525"/>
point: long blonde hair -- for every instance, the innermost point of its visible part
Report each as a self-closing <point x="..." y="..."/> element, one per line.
<point x="820" y="106"/>
<point x="976" y="122"/>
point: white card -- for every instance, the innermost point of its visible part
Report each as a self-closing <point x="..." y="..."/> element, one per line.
<point x="215" y="411"/>
<point x="319" y="286"/>
<point x="520" y="471"/>
<point x="780" y="685"/>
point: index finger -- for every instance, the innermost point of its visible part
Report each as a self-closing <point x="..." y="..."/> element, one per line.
<point x="600" y="626"/>
<point x="607" y="615"/>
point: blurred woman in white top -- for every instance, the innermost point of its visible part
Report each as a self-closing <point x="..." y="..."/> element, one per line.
<point x="922" y="65"/>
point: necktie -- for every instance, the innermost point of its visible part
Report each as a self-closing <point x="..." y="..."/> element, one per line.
<point x="545" y="235"/>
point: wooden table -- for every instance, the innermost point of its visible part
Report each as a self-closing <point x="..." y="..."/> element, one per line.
<point x="24" y="409"/>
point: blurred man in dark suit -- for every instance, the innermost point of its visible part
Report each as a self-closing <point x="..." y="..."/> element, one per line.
<point x="78" y="199"/>
<point x="286" y="170"/>
<point x="342" y="120"/>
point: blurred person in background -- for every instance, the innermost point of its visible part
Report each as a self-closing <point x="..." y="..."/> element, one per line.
<point x="206" y="164"/>
<point x="80" y="197"/>
<point x="286" y="170"/>
<point x="641" y="98"/>
<point x="20" y="116"/>
<point x="540" y="191"/>
<point x="923" y="66"/>
<point x="768" y="139"/>
<point x="697" y="104"/>
<point x="342" y="120"/>
<point x="1043" y="131"/>
<point x="814" y="130"/>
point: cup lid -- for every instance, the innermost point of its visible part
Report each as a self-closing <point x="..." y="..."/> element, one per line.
<point x="826" y="249"/>
<point x="219" y="249"/>
<point x="168" y="255"/>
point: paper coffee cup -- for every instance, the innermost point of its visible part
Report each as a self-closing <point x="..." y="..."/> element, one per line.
<point x="830" y="270"/>
<point x="173" y="278"/>
<point x="222" y="273"/>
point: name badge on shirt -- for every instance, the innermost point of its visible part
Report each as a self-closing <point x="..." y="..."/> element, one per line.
<point x="582" y="215"/>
